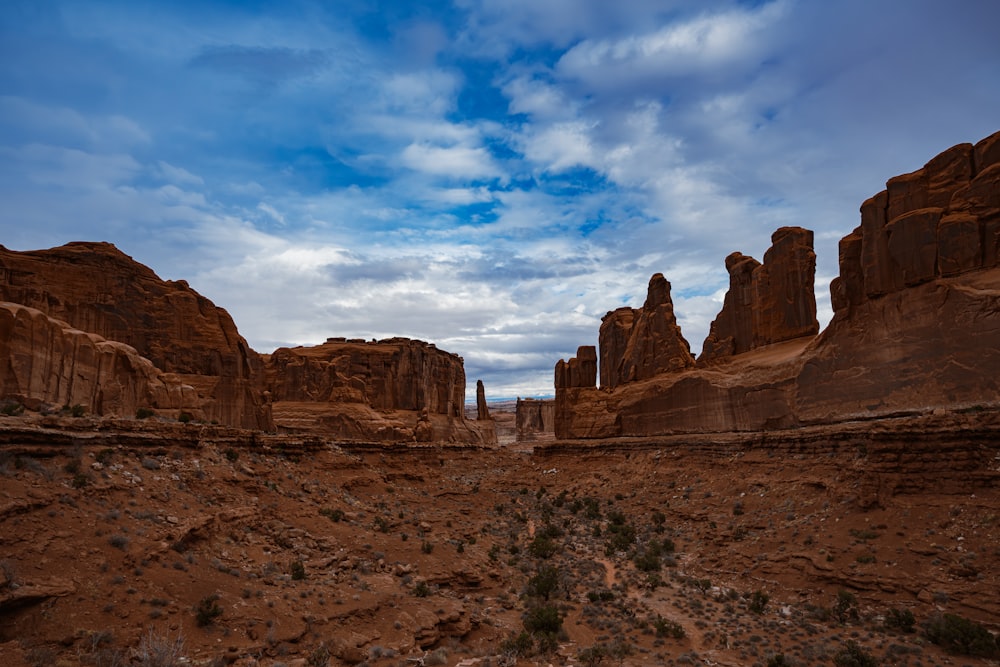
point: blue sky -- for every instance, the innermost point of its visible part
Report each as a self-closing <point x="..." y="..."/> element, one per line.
<point x="492" y="176"/>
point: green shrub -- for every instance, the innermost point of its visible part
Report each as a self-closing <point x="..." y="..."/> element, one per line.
<point x="852" y="655"/>
<point x="961" y="635"/>
<point x="334" y="515"/>
<point x="519" y="645"/>
<point x="298" y="570"/>
<point x="543" y="619"/>
<point x="900" y="619"/>
<point x="544" y="583"/>
<point x="185" y="417"/>
<point x="426" y="547"/>
<point x="207" y="610"/>
<point x="666" y="628"/>
<point x="78" y="410"/>
<point x="758" y="601"/>
<point x="144" y="413"/>
<point x="846" y="606"/>
<point x="421" y="589"/>
<point x="542" y="546"/>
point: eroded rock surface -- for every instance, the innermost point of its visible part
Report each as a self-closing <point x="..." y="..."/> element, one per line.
<point x="98" y="289"/>
<point x="767" y="303"/>
<point x="916" y="320"/>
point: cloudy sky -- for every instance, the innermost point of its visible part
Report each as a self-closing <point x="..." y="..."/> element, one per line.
<point x="492" y="176"/>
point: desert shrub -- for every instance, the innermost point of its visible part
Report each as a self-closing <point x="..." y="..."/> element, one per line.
<point x="961" y="635"/>
<point x="118" y="541"/>
<point x="667" y="628"/>
<point x="144" y="413"/>
<point x="544" y="583"/>
<point x="421" y="590"/>
<point x="207" y="610"/>
<point x="542" y="546"/>
<point x="593" y="656"/>
<point x="853" y="655"/>
<point x="158" y="651"/>
<point x="334" y="515"/>
<point x="758" y="601"/>
<point x="77" y="410"/>
<point x="543" y="619"/>
<point x="320" y="657"/>
<point x="778" y="660"/>
<point x="846" y="606"/>
<point x="900" y="619"/>
<point x="185" y="417"/>
<point x="620" y="536"/>
<point x="437" y="657"/>
<point x="298" y="570"/>
<point x="518" y="645"/>
<point x="426" y="547"/>
<point x="232" y="454"/>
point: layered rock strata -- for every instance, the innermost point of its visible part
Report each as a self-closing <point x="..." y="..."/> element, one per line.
<point x="392" y="390"/>
<point x="637" y="344"/>
<point x="535" y="419"/>
<point x="48" y="363"/>
<point x="98" y="289"/>
<point x="766" y="303"/>
<point x="915" y="327"/>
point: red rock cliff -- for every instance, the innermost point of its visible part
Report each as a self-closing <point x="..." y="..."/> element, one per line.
<point x="46" y="361"/>
<point x="767" y="303"/>
<point x="915" y="327"/>
<point x="393" y="390"/>
<point x="98" y="289"/>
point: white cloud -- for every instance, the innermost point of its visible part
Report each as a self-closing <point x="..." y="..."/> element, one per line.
<point x="454" y="162"/>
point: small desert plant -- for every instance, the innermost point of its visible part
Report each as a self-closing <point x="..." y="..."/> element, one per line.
<point x="158" y="651"/>
<point x="421" y="589"/>
<point x="232" y="454"/>
<point x="961" y="635"/>
<point x="758" y="601"/>
<point x="144" y="413"/>
<point x="297" y="570"/>
<point x="185" y="417"/>
<point x="426" y="547"/>
<point x="320" y="657"/>
<point x="852" y="655"/>
<point x="207" y="610"/>
<point x="334" y="515"/>
<point x="12" y="409"/>
<point x="666" y="628"/>
<point x="542" y="546"/>
<point x="900" y="619"/>
<point x="544" y="583"/>
<point x="77" y="410"/>
<point x="518" y="645"/>
<point x="846" y="606"/>
<point x="543" y="619"/>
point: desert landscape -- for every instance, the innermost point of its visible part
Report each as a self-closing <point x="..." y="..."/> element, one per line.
<point x="169" y="496"/>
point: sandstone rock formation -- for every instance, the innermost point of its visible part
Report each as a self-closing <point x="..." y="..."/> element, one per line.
<point x="639" y="344"/>
<point x="535" y="419"/>
<point x="766" y="303"/>
<point x="98" y="289"/>
<point x="46" y="361"/>
<point x="916" y="320"/>
<point x="482" y="410"/>
<point x="84" y="324"/>
<point x="374" y="391"/>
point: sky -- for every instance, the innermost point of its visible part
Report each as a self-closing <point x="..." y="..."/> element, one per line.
<point x="492" y="176"/>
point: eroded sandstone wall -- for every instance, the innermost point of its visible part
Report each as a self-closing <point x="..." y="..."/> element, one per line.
<point x="766" y="303"/>
<point x="45" y="361"/>
<point x="98" y="289"/>
<point x="916" y="322"/>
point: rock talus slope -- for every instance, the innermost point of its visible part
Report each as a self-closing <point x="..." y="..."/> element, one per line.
<point x="916" y="322"/>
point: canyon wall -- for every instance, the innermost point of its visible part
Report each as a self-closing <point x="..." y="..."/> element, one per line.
<point x="48" y="363"/>
<point x="98" y="289"/>
<point x="915" y="327"/>
<point x="84" y="324"/>
<point x="394" y="390"/>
